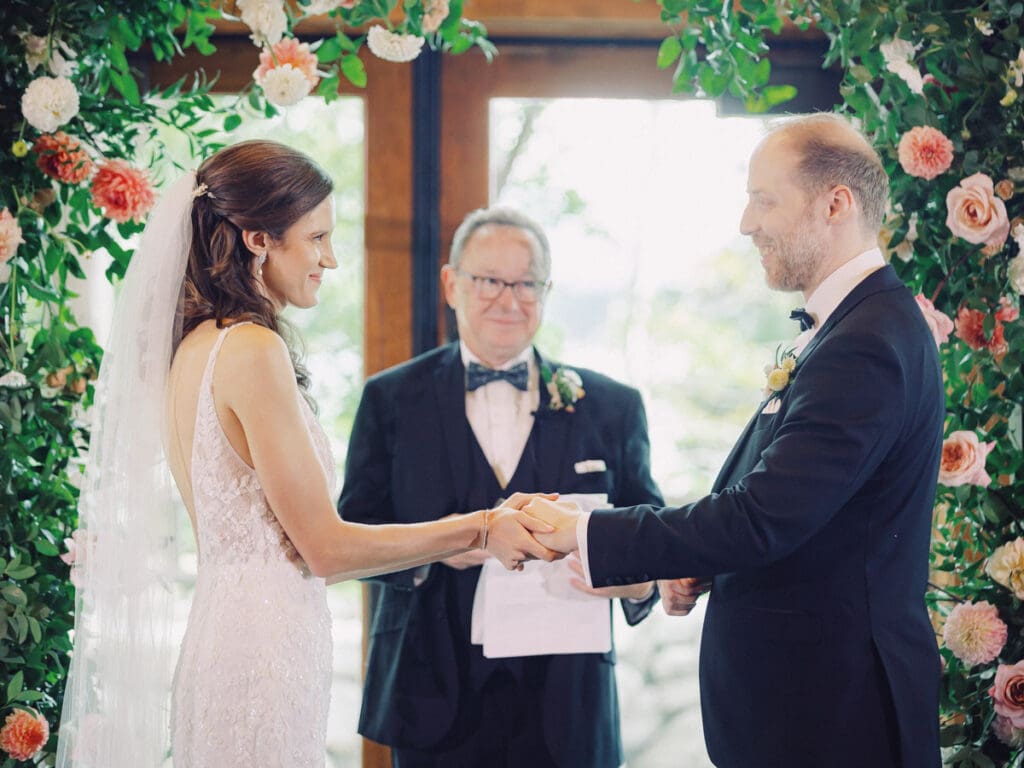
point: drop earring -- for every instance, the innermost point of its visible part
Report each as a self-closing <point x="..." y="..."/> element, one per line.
<point x="260" y="261"/>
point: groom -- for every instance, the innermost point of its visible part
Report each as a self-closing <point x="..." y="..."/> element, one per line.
<point x="452" y="431"/>
<point x="817" y="649"/>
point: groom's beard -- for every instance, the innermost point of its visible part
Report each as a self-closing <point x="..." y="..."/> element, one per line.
<point x="793" y="259"/>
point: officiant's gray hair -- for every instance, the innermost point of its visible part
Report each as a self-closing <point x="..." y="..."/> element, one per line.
<point x="500" y="216"/>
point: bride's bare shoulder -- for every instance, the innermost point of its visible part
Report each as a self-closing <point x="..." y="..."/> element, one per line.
<point x="254" y="353"/>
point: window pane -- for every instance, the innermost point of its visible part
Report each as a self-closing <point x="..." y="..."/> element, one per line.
<point x="655" y="286"/>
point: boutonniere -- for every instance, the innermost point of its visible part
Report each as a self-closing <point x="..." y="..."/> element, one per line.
<point x="565" y="387"/>
<point x="779" y="373"/>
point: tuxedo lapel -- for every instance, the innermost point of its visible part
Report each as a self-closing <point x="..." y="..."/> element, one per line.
<point x="550" y="437"/>
<point x="881" y="280"/>
<point x="450" y="393"/>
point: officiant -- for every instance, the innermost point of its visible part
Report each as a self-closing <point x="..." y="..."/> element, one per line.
<point x="455" y="430"/>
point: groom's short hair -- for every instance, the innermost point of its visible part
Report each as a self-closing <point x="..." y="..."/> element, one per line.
<point x="500" y="216"/>
<point x="833" y="152"/>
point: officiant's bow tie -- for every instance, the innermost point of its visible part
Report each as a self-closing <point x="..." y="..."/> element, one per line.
<point x="478" y="376"/>
<point x="806" y="318"/>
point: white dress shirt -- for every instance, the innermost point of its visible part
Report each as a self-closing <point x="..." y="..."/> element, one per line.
<point x="820" y="305"/>
<point x="501" y="416"/>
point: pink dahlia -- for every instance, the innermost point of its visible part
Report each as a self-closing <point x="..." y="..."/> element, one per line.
<point x="24" y="734"/>
<point x="10" y="235"/>
<point x="974" y="633"/>
<point x="61" y="157"/>
<point x="925" y="152"/>
<point x="123" y="192"/>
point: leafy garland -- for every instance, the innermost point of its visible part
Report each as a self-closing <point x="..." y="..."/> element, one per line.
<point x="941" y="92"/>
<point x="80" y="146"/>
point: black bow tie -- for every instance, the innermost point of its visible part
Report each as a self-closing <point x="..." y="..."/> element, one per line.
<point x="478" y="376"/>
<point x="806" y="318"/>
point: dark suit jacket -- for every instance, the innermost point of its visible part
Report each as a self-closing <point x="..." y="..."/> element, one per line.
<point x="817" y="534"/>
<point x="406" y="464"/>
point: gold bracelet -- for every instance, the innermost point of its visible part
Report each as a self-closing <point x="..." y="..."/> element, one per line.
<point x="486" y="531"/>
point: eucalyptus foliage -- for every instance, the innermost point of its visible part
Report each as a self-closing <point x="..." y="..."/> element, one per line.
<point x="969" y="90"/>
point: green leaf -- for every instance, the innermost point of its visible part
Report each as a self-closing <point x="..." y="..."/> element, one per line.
<point x="329" y="50"/>
<point x="14" y="687"/>
<point x="669" y="50"/>
<point x="354" y="70"/>
<point x="232" y="121"/>
<point x="14" y="595"/>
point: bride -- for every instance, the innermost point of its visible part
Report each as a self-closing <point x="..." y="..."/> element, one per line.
<point x="197" y="371"/>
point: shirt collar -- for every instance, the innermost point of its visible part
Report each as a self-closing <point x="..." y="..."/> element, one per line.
<point x="526" y="356"/>
<point x="837" y="286"/>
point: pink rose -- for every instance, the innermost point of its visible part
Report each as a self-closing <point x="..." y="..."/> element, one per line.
<point x="975" y="213"/>
<point x="925" y="152"/>
<point x="10" y="236"/>
<point x="1008" y="693"/>
<point x="939" y="323"/>
<point x="963" y="460"/>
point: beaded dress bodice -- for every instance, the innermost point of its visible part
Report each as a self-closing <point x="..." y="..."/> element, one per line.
<point x="252" y="686"/>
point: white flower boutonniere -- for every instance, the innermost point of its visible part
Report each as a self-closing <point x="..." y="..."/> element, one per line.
<point x="780" y="373"/>
<point x="565" y="387"/>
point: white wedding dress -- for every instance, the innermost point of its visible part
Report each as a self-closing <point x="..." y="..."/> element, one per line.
<point x="252" y="685"/>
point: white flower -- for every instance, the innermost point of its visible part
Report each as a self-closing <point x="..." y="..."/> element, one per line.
<point x="37" y="48"/>
<point x="1016" y="266"/>
<point x="905" y="250"/>
<point x="1015" y="70"/>
<point x="285" y="85"/>
<point x="983" y="26"/>
<point x="13" y="380"/>
<point x="392" y="46"/>
<point x="316" y="7"/>
<point x="434" y="14"/>
<point x="266" y="19"/>
<point x="49" y="102"/>
<point x="898" y="54"/>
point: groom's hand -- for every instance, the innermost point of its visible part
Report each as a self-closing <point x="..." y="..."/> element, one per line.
<point x="678" y="596"/>
<point x="512" y="537"/>
<point x="562" y="516"/>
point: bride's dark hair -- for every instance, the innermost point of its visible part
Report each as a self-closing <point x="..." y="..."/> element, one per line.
<point x="253" y="185"/>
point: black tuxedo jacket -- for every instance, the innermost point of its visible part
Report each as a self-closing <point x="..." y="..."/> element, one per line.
<point x="817" y="534"/>
<point x="406" y="463"/>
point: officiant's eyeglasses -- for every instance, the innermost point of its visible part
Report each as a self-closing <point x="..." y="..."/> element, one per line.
<point x="490" y="288"/>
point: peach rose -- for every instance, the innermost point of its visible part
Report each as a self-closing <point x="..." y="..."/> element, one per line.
<point x="1008" y="693"/>
<point x="1005" y="566"/>
<point x="123" y="192"/>
<point x="975" y="213"/>
<point x="1005" y="189"/>
<point x="939" y="323"/>
<point x="24" y="734"/>
<point x="963" y="460"/>
<point x="61" y="157"/>
<point x="925" y="152"/>
<point x="288" y="50"/>
<point x="10" y="236"/>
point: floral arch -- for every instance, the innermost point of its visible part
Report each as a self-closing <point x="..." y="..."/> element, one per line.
<point x="940" y="91"/>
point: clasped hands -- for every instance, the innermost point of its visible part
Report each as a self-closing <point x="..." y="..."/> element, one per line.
<point x="537" y="526"/>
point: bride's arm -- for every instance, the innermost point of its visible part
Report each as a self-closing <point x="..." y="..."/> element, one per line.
<point x="258" y="386"/>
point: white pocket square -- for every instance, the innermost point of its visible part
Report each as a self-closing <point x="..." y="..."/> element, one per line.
<point x="773" y="406"/>
<point x="590" y="465"/>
